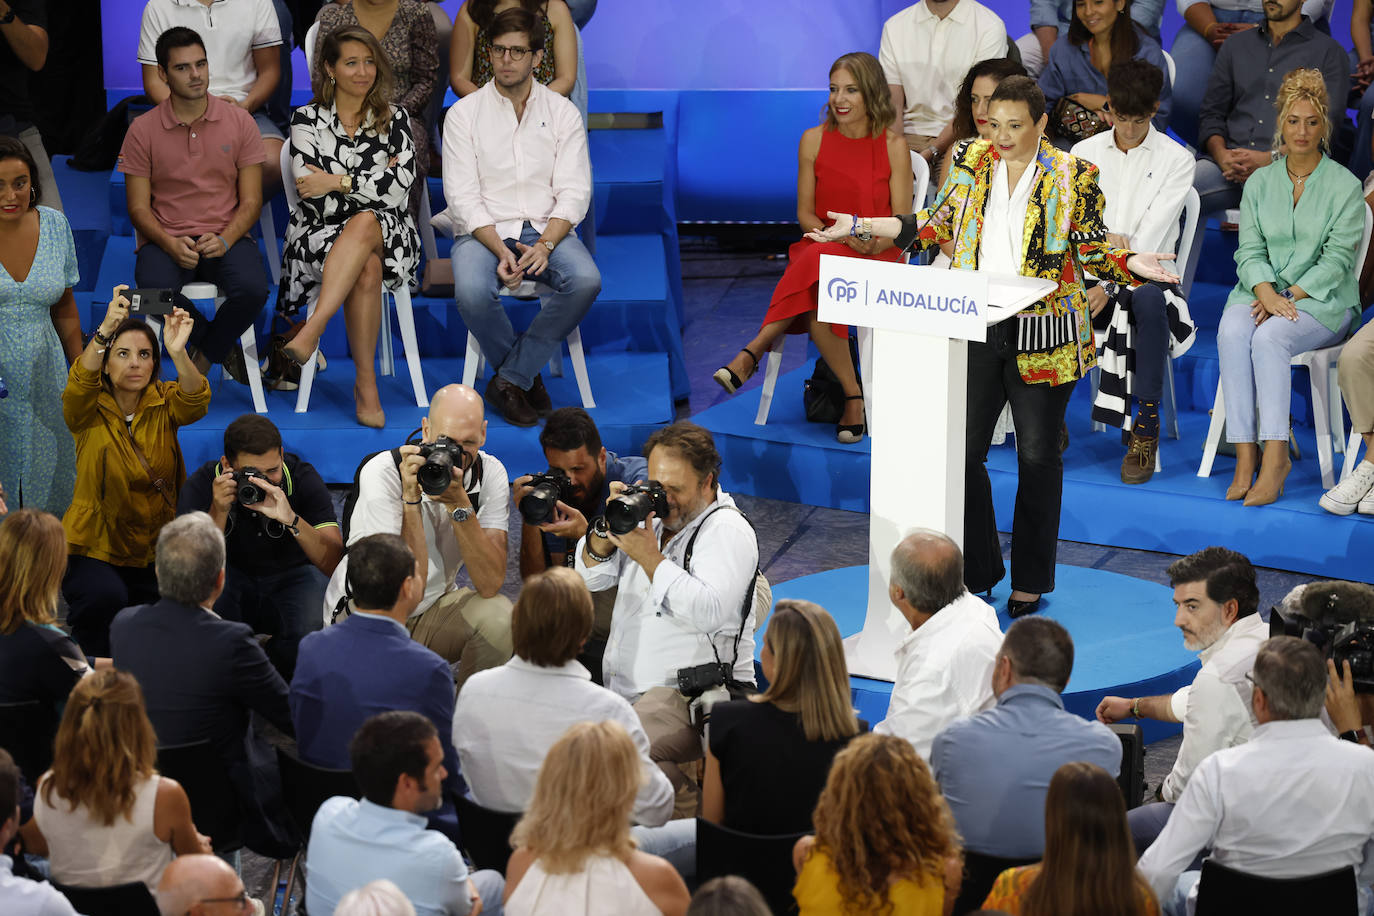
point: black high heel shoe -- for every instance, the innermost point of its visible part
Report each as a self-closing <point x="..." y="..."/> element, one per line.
<point x="852" y="433"/>
<point x="1017" y="608"/>
<point x="731" y="382"/>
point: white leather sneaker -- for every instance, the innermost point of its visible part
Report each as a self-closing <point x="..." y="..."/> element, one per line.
<point x="1353" y="493"/>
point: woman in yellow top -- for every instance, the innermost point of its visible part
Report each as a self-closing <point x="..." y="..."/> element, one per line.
<point x="885" y="841"/>
<point x="1089" y="865"/>
<point x="128" y="464"/>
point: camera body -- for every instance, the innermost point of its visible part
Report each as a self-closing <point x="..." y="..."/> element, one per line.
<point x="441" y="457"/>
<point x="246" y="490"/>
<point x="546" y="489"/>
<point x="698" y="679"/>
<point x="633" y="505"/>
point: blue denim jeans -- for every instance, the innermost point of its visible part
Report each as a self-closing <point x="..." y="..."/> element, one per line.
<point x="675" y="841"/>
<point x="288" y="604"/>
<point x="572" y="281"/>
<point x="1193" y="58"/>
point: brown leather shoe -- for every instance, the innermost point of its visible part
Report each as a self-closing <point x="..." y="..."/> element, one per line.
<point x="538" y="397"/>
<point x="1139" y="464"/>
<point x="510" y="402"/>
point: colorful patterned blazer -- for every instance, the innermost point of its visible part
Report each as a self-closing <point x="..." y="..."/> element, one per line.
<point x="1064" y="235"/>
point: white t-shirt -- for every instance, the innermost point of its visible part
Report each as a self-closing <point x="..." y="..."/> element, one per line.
<point x="231" y="30"/>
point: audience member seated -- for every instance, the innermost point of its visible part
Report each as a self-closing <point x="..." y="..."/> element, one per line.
<point x="507" y="718"/>
<point x="102" y="815"/>
<point x="281" y="536"/>
<point x="851" y="163"/>
<point x="243" y="44"/>
<point x="971" y="106"/>
<point x="353" y="162"/>
<point x="405" y="31"/>
<point x="1075" y="79"/>
<point x="379" y="898"/>
<point x="1218" y="614"/>
<point x="1089" y="866"/>
<point x="995" y="767"/>
<point x="1356" y="374"/>
<point x="204" y="677"/>
<point x="193" y="182"/>
<point x="202" y="885"/>
<point x="460" y="527"/>
<point x="42" y="334"/>
<point x="129" y="467"/>
<point x="472" y="63"/>
<point x="945" y="666"/>
<point x="683" y="600"/>
<point x="368" y="664"/>
<point x="925" y="51"/>
<point x="885" y="839"/>
<point x="1293" y="801"/>
<point x="512" y="224"/>
<point x="573" y="851"/>
<point x="24" y="50"/>
<point x="572" y="447"/>
<point x="1050" y="19"/>
<point x="399" y="765"/>
<point x="805" y="717"/>
<point x="1237" y="129"/>
<point x="20" y="896"/>
<point x="1145" y="177"/>
<point x="1295" y="263"/>
<point x="730" y="895"/>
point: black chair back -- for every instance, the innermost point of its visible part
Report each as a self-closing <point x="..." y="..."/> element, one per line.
<point x="214" y="804"/>
<point x="120" y="900"/>
<point x="307" y="786"/>
<point x="1224" y="890"/>
<point x="486" y="833"/>
<point x="765" y="860"/>
<point x="27" y="731"/>
<point x="980" y="872"/>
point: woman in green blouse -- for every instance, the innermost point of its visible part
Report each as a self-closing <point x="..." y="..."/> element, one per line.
<point x="1301" y="219"/>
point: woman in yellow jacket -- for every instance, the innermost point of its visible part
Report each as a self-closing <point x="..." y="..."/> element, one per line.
<point x="128" y="464"/>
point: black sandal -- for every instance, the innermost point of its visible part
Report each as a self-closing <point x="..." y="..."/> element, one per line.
<point x="731" y="382"/>
<point x="853" y="433"/>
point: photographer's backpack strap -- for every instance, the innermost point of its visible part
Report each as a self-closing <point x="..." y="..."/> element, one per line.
<point x="753" y="581"/>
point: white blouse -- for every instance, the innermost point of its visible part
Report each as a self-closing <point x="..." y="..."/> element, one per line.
<point x="604" y="886"/>
<point x="1004" y="220"/>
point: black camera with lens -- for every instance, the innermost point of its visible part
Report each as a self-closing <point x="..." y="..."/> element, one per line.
<point x="441" y="457"/>
<point x="537" y="506"/>
<point x="246" y="491"/>
<point x="633" y="505"/>
<point x="1338" y="618"/>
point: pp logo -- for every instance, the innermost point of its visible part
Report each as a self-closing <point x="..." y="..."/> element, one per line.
<point x="842" y="290"/>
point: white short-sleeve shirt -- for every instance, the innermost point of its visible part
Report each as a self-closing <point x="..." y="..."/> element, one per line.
<point x="231" y="30"/>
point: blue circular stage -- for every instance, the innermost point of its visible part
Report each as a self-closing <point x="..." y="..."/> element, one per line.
<point x="1125" y="641"/>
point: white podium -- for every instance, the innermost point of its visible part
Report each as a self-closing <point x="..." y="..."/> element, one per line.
<point x="921" y="319"/>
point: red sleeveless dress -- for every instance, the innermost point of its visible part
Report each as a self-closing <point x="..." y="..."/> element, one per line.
<point x="852" y="176"/>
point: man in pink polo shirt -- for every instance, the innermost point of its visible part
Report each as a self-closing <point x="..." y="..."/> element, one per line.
<point x="193" y="172"/>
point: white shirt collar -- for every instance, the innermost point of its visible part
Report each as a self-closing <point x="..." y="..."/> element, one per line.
<point x="1240" y="628"/>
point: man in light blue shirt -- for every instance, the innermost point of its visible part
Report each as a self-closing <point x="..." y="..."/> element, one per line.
<point x="399" y="765"/>
<point x="994" y="767"/>
<point x="20" y="896"/>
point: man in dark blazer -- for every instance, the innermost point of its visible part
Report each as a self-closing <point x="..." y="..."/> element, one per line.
<point x="203" y="678"/>
<point x="368" y="664"/>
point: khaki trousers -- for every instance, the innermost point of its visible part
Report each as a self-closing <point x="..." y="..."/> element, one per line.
<point x="463" y="627"/>
<point x="918" y="142"/>
<point x="1356" y="372"/>
<point x="672" y="742"/>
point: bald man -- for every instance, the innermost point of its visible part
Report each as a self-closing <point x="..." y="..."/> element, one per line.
<point x="944" y="668"/>
<point x="202" y="885"/>
<point x="464" y="527"/>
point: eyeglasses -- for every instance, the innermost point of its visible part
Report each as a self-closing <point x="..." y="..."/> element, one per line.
<point x="499" y="51"/>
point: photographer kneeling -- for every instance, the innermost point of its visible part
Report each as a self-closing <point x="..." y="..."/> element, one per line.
<point x="450" y="502"/>
<point x="281" y="536"/>
<point x="684" y="615"/>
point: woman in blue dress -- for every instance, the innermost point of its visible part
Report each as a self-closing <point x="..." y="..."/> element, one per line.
<point x="40" y="335"/>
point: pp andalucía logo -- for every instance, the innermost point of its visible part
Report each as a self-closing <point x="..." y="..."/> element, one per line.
<point x="842" y="290"/>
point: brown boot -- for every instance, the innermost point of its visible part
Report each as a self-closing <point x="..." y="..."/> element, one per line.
<point x="1139" y="464"/>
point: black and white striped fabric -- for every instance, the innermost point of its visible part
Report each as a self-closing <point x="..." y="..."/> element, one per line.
<point x="1116" y="351"/>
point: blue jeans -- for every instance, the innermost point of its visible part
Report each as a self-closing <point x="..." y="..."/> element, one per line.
<point x="573" y="282"/>
<point x="286" y="604"/>
<point x="675" y="841"/>
<point x="1254" y="367"/>
<point x="1193" y="58"/>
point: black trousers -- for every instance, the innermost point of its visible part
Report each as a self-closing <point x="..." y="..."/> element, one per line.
<point x="242" y="282"/>
<point x="95" y="591"/>
<point x="1038" y="411"/>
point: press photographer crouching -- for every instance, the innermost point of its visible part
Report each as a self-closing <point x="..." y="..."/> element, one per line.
<point x="1338" y="617"/>
<point x="558" y="505"/>
<point x="685" y="560"/>
<point x="280" y="531"/>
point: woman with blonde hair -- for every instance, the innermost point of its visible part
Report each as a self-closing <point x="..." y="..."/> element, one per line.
<point x="885" y="840"/>
<point x="1301" y="218"/>
<point x="805" y="717"/>
<point x="102" y="815"/>
<point x="574" y="855"/>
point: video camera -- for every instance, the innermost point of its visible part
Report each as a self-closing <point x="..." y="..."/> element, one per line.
<point x="247" y="492"/>
<point x="441" y="457"/>
<point x="546" y="490"/>
<point x="633" y="505"/>
<point x="1338" y="618"/>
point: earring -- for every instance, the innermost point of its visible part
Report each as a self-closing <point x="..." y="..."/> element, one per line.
<point x="331" y="81"/>
<point x="33" y="195"/>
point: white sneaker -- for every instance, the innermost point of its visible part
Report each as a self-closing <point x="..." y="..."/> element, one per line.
<point x="1353" y="493"/>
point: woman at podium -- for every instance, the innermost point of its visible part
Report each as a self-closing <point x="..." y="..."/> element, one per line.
<point x="1012" y="203"/>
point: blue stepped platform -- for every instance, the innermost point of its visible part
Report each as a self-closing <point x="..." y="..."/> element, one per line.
<point x="1125" y="643"/>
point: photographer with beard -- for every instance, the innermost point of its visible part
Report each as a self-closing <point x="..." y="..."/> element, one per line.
<point x="449" y="523"/>
<point x="572" y="447"/>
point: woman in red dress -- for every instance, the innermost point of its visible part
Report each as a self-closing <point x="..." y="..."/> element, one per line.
<point x="853" y="158"/>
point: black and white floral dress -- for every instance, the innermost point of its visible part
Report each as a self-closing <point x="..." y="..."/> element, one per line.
<point x="318" y="139"/>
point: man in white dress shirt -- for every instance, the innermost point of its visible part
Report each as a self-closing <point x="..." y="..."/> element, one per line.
<point x="944" y="668"/>
<point x="1292" y="802"/>
<point x="1218" y="613"/>
<point x="517" y="179"/>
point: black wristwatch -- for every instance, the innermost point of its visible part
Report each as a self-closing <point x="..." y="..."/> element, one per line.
<point x="1353" y="736"/>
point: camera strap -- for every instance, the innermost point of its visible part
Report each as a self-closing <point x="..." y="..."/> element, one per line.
<point x="749" y="593"/>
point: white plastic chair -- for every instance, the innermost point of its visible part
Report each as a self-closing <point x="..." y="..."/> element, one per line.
<point x="209" y="292"/>
<point x="1326" y="396"/>
<point x="1169" y="65"/>
<point x="920" y="184"/>
<point x="400" y="298"/>
<point x="1352" y="453"/>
